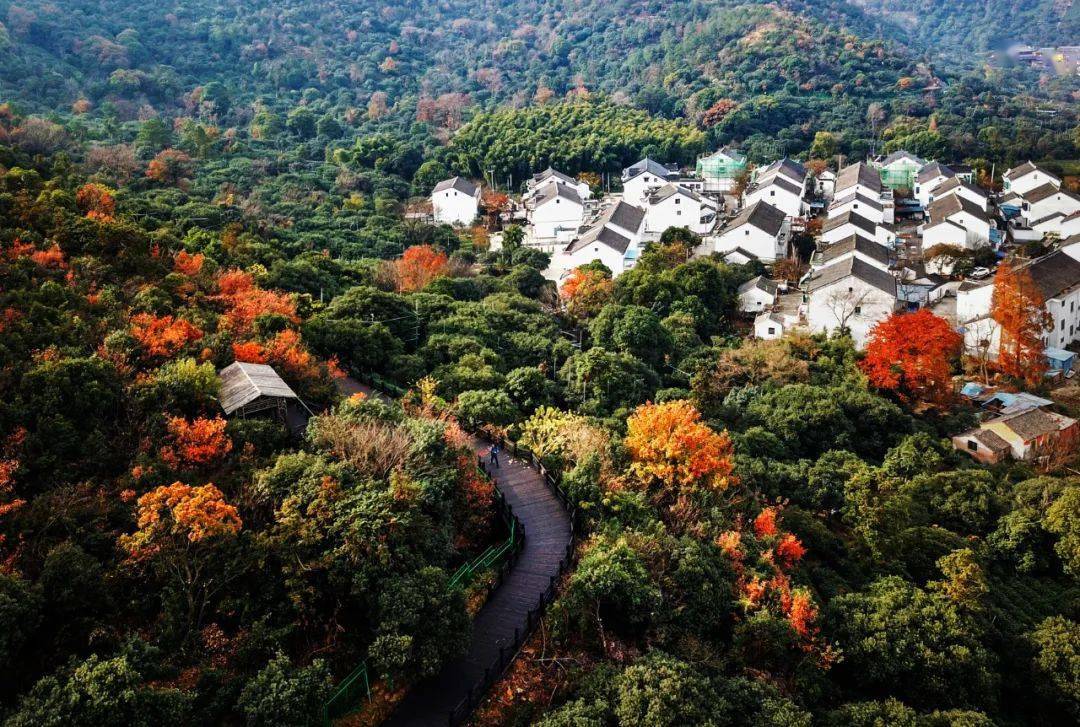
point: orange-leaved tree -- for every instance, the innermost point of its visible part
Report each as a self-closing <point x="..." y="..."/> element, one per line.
<point x="909" y="354"/>
<point x="96" y="201"/>
<point x="675" y="455"/>
<point x="199" y="442"/>
<point x="188" y="264"/>
<point x="245" y="301"/>
<point x="585" y="291"/>
<point x="418" y="266"/>
<point x="177" y="526"/>
<point x="1017" y="306"/>
<point x="162" y="335"/>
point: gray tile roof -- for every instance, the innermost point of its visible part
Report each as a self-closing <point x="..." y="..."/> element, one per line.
<point x="647" y="165"/>
<point x="1054" y="273"/>
<point x="933" y="170"/>
<point x="624" y="215"/>
<point x="670" y="190"/>
<point x="854" y="218"/>
<point x="852" y="267"/>
<point x="1030" y="424"/>
<point x="600" y="234"/>
<point x="459" y="183"/>
<point x="858" y="173"/>
<point x="855" y="243"/>
<point x="956" y="183"/>
<point x="761" y="215"/>
<point x="550" y="173"/>
<point x="775" y="180"/>
<point x="790" y="168"/>
<point x="761" y="283"/>
<point x="989" y="439"/>
<point x="944" y="207"/>
<point x="551" y="190"/>
<point x="1044" y="191"/>
<point x="898" y="155"/>
<point x="243" y="383"/>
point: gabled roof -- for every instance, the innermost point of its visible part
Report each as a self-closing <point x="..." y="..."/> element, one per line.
<point x="624" y="215"/>
<point x="851" y="267"/>
<point x="647" y="165"/>
<point x="553" y="190"/>
<point x="1025" y="169"/>
<point x="761" y="215"/>
<point x="899" y="155"/>
<point x="670" y="190"/>
<point x="551" y="173"/>
<point x="1043" y="191"/>
<point x="787" y="167"/>
<point x="759" y="283"/>
<point x="775" y="180"/>
<point x="858" y="173"/>
<point x="858" y="197"/>
<point x="1030" y="424"/>
<point x="956" y="183"/>
<point x="933" y="170"/>
<point x="854" y="218"/>
<point x="243" y="383"/>
<point x="852" y="244"/>
<point x="1054" y="273"/>
<point x="459" y="183"/>
<point x="944" y="207"/>
<point x="600" y="234"/>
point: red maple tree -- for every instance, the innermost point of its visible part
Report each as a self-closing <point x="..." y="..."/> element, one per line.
<point x="245" y="301"/>
<point x="1017" y="306"/>
<point x="162" y="335"/>
<point x="418" y="266"/>
<point x="199" y="442"/>
<point x="909" y="354"/>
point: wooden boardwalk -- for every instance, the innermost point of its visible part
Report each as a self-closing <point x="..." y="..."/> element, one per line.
<point x="504" y="620"/>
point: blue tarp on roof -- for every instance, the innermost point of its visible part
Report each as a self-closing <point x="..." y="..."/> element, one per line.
<point x="971" y="389"/>
<point x="1059" y="358"/>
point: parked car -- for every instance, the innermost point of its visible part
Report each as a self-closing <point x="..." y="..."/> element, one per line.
<point x="980" y="273"/>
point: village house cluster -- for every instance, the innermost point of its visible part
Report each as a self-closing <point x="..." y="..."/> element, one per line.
<point x="884" y="235"/>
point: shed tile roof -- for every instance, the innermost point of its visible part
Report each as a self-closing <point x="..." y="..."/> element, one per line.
<point x="855" y="243"/>
<point x="854" y="267"/>
<point x="858" y="173"/>
<point x="459" y="183"/>
<point x="761" y="283"/>
<point x="647" y="165"/>
<point x="761" y="215"/>
<point x="1030" y="424"/>
<point x="933" y="170"/>
<point x="990" y="440"/>
<point x="243" y="383"/>
<point x="1054" y="273"/>
<point x="553" y="190"/>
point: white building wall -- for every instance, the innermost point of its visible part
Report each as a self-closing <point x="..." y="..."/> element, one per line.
<point x="860" y="208"/>
<point x="826" y="308"/>
<point x="787" y="202"/>
<point x="557" y="213"/>
<point x="675" y="211"/>
<point x="751" y="239"/>
<point x="452" y="207"/>
<point x="1029" y="181"/>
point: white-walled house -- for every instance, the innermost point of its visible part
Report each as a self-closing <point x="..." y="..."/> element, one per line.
<point x="849" y="294"/>
<point x="857" y="246"/>
<point x="556" y="212"/>
<point x="1026" y="177"/>
<point x="1047" y="201"/>
<point x="968" y="191"/>
<point x="780" y="192"/>
<point x="847" y="224"/>
<point x="676" y="206"/>
<point x="759" y="229"/>
<point x="614" y="239"/>
<point x="757" y="294"/>
<point x="930" y="177"/>
<point x="860" y="204"/>
<point x="858" y="177"/>
<point x="769" y="325"/>
<point x="785" y="168"/>
<point x="553" y="175"/>
<point x="455" y="201"/>
<point x="640" y="179"/>
<point x="1057" y="277"/>
<point x="956" y="220"/>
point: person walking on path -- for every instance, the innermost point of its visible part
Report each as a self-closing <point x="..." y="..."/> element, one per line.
<point x="494" y="454"/>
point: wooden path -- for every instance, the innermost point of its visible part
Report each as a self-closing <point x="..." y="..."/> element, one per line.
<point x="504" y="621"/>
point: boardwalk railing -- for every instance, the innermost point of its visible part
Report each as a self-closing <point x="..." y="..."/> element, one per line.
<point x="502" y="556"/>
<point x="506" y="655"/>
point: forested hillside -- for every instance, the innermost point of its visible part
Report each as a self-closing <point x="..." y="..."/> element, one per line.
<point x="970" y="26"/>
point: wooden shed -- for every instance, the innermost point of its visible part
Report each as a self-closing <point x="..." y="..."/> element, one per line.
<point x="248" y="388"/>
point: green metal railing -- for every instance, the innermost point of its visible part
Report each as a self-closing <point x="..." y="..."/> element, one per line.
<point x="357" y="685"/>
